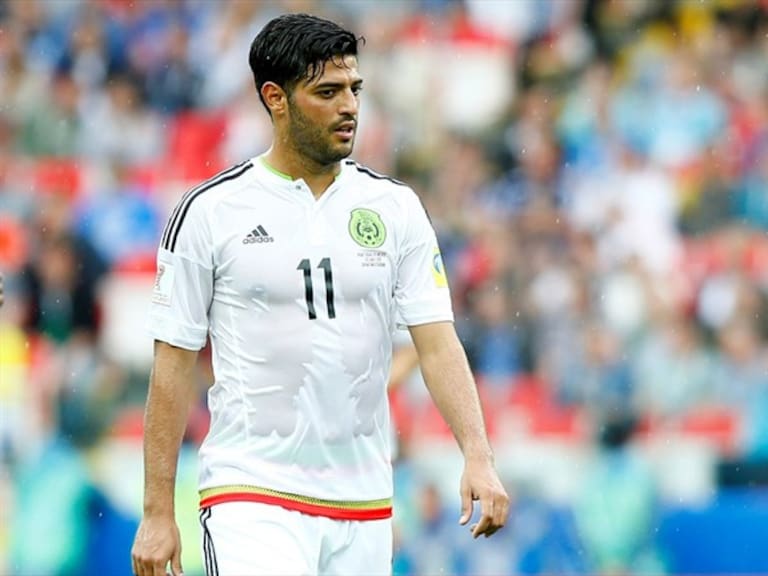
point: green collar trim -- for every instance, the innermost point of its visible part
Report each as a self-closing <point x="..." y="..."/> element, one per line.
<point x="282" y="175"/>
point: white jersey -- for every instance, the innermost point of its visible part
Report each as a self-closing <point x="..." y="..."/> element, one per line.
<point x="299" y="297"/>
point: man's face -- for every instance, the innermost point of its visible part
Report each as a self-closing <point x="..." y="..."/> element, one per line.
<point x="322" y="119"/>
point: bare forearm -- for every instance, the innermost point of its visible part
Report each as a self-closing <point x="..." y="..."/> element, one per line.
<point x="452" y="387"/>
<point x="168" y="402"/>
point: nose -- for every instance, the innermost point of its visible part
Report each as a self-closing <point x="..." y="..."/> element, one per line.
<point x="349" y="103"/>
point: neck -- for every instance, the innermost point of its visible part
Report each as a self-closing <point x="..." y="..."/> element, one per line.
<point x="317" y="176"/>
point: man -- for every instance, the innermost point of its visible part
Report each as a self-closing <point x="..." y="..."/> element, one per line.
<point x="296" y="263"/>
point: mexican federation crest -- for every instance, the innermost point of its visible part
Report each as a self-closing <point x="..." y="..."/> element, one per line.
<point x="366" y="228"/>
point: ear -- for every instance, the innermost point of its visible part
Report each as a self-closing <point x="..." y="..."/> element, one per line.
<point x="275" y="97"/>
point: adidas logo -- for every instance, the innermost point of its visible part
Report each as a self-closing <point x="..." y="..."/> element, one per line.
<point x="257" y="236"/>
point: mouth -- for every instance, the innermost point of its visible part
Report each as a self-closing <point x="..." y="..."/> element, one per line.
<point x="346" y="130"/>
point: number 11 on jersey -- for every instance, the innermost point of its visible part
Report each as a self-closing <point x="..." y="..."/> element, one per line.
<point x="306" y="267"/>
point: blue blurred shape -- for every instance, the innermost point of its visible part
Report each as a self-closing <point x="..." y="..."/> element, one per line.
<point x="727" y="537"/>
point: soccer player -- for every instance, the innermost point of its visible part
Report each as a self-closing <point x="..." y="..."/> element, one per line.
<point x="296" y="263"/>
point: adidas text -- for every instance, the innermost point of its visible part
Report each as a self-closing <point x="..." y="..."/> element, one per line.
<point x="259" y="240"/>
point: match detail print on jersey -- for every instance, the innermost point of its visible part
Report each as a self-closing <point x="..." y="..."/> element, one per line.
<point x="163" y="288"/>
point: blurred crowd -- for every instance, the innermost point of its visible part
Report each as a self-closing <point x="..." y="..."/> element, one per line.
<point x="597" y="172"/>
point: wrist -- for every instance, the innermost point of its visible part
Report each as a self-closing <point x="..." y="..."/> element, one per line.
<point x="159" y="509"/>
<point x="478" y="454"/>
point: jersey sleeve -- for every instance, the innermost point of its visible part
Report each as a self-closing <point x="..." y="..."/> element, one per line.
<point x="421" y="289"/>
<point x="183" y="288"/>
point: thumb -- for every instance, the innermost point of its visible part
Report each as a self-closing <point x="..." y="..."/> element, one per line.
<point x="466" y="504"/>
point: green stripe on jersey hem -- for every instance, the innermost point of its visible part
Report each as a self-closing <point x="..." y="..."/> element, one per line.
<point x="337" y="504"/>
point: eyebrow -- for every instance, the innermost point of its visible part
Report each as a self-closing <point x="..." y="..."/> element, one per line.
<point x="329" y="84"/>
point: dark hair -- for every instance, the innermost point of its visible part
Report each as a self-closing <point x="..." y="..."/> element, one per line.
<point x="617" y="430"/>
<point x="293" y="47"/>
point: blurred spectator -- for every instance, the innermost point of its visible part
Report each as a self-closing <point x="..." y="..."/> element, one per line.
<point x="173" y="84"/>
<point x="62" y="302"/>
<point x="741" y="370"/>
<point x="631" y="207"/>
<point x="122" y="222"/>
<point x="89" y="55"/>
<point x="52" y="126"/>
<point x="537" y="177"/>
<point x="711" y="205"/>
<point x="727" y="293"/>
<point x="617" y="507"/>
<point x="627" y="299"/>
<point x="545" y="537"/>
<point x="55" y="491"/>
<point x="600" y="378"/>
<point x="750" y="203"/>
<point x="440" y="544"/>
<point x="61" y="279"/>
<point x="674" y="371"/>
<point x="52" y="505"/>
<point x="15" y="375"/>
<point x="687" y="114"/>
<point x="224" y="43"/>
<point x="21" y="86"/>
<point x="584" y="123"/>
<point x="496" y="343"/>
<point x="118" y="127"/>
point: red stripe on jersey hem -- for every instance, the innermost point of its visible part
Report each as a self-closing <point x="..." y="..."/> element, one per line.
<point x="303" y="507"/>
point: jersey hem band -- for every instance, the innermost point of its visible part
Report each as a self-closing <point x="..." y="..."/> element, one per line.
<point x="334" y="509"/>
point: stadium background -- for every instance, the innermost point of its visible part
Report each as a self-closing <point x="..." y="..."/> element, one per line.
<point x="598" y="176"/>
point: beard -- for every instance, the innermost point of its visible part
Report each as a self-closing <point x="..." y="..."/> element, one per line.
<point x="314" y="141"/>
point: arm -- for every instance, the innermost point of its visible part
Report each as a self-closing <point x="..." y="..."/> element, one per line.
<point x="170" y="395"/>
<point x="452" y="387"/>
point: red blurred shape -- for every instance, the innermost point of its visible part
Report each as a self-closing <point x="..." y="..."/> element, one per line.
<point x="562" y="422"/>
<point x="718" y="425"/>
<point x="429" y="423"/>
<point x="529" y="393"/>
<point x="137" y="263"/>
<point x="58" y="176"/>
<point x="129" y="424"/>
<point x="14" y="245"/>
<point x="194" y="146"/>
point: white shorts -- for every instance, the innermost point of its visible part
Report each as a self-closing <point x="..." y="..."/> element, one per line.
<point x="253" y="539"/>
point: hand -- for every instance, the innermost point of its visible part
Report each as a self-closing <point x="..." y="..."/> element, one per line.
<point x="481" y="482"/>
<point x="157" y="542"/>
